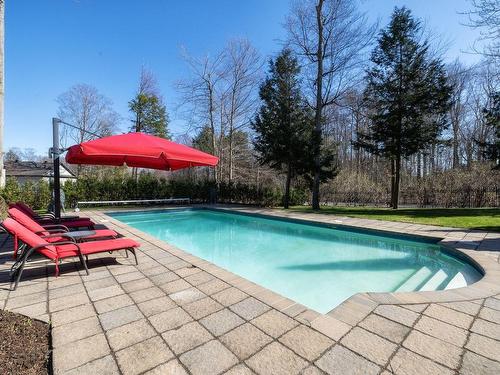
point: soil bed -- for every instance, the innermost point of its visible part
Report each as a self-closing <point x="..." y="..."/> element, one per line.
<point x="24" y="345"/>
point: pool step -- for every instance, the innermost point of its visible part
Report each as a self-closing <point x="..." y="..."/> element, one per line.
<point x="415" y="280"/>
<point x="435" y="281"/>
<point x="458" y="281"/>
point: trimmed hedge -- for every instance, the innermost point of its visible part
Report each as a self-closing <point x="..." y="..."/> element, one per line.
<point x="147" y="186"/>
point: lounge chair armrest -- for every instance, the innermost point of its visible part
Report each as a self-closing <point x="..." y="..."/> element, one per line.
<point x="56" y="226"/>
<point x="46" y="216"/>
<point x="59" y="235"/>
<point x="51" y="231"/>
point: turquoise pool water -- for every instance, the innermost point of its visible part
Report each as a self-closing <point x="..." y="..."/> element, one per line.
<point x="317" y="266"/>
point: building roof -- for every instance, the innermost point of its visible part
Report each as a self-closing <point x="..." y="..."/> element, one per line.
<point x="43" y="168"/>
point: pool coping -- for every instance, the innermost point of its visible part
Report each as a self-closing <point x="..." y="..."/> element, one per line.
<point x="473" y="245"/>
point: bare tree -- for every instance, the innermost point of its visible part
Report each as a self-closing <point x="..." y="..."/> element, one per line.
<point x="200" y="96"/>
<point x="83" y="106"/>
<point x="241" y="78"/>
<point x="331" y="36"/>
<point x="221" y="94"/>
<point x="459" y="79"/>
<point x="486" y="17"/>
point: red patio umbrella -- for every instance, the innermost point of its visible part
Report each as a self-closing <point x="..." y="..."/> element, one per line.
<point x="138" y="150"/>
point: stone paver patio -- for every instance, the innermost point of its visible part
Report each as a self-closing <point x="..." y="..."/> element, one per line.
<point x="177" y="314"/>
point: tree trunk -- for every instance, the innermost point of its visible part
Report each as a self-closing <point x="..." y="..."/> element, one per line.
<point x="393" y="181"/>
<point x="286" y="200"/>
<point x="319" y="107"/>
<point x="397" y="178"/>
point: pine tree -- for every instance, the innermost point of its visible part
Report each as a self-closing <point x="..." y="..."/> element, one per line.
<point x="150" y="115"/>
<point x="283" y="125"/>
<point x="407" y="95"/>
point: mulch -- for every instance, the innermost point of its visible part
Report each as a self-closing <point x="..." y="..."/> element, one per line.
<point x="24" y="345"/>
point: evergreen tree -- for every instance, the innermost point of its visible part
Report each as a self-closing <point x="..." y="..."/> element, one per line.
<point x="283" y="125"/>
<point x="150" y="115"/>
<point x="492" y="115"/>
<point x="407" y="95"/>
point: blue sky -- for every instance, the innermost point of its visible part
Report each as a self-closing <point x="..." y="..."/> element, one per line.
<point x="53" y="44"/>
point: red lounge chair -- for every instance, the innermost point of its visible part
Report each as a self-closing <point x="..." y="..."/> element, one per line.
<point x="71" y="222"/>
<point x="59" y="250"/>
<point x="53" y="233"/>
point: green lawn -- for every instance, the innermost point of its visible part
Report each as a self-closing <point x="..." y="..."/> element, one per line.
<point x="471" y="218"/>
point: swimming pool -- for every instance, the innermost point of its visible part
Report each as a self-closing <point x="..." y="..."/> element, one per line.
<point x="318" y="266"/>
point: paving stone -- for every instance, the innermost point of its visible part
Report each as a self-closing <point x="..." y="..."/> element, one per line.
<point x="312" y="370"/>
<point x="209" y="359"/>
<point x="418" y="308"/>
<point x="433" y="348"/>
<point x="175" y="286"/>
<point x="186" y="337"/>
<point x="221" y="322"/>
<point x="102" y="366"/>
<point x="119" y="317"/>
<point x="249" y="308"/>
<point x="66" y="291"/>
<point x="187" y="296"/>
<point x="100" y="283"/>
<point x="75" y="331"/>
<point x="397" y="314"/>
<point x="170" y="319"/>
<point x="386" y="328"/>
<point x="473" y="364"/>
<point x="164" y="277"/>
<point x="463" y="306"/>
<point x="485" y="328"/>
<point x="129" y="276"/>
<point x="113" y="303"/>
<point x="276" y="359"/>
<point x="229" y="296"/>
<point x="88" y="350"/>
<point x="306" y="342"/>
<point x="143" y="356"/>
<point x="245" y="340"/>
<point x="484" y="346"/>
<point x="71" y="315"/>
<point x="65" y="303"/>
<point x="342" y="361"/>
<point x="492" y="303"/>
<point x="203" y="307"/>
<point x="28" y="289"/>
<point x="490" y="314"/>
<point x="136" y="285"/>
<point x="449" y="316"/>
<point x="170" y="368"/>
<point x="29" y="299"/>
<point x="213" y="286"/>
<point x="442" y="331"/>
<point x="331" y="327"/>
<point x="369" y="345"/>
<point x="274" y="323"/>
<point x="156" y="306"/>
<point x="146" y="294"/>
<point x="129" y="334"/>
<point x="32" y="310"/>
<point x="406" y="362"/>
<point x="103" y="293"/>
<point x="199" y="278"/>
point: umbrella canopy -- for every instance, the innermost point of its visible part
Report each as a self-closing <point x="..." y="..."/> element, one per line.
<point x="138" y="150"/>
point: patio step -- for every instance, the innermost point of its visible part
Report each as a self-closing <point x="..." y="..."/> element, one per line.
<point x="435" y="281"/>
<point x="415" y="280"/>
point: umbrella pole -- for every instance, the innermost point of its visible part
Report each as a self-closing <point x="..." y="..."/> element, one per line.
<point x="57" y="178"/>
